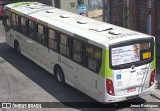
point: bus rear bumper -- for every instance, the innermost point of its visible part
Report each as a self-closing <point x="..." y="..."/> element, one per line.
<point x="112" y="99"/>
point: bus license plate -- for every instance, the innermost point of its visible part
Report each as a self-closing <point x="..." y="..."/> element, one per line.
<point x="146" y="55"/>
<point x="131" y="89"/>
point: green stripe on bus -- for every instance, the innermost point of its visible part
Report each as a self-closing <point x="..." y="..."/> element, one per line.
<point x="105" y="69"/>
<point x="154" y="59"/>
<point x="21" y="4"/>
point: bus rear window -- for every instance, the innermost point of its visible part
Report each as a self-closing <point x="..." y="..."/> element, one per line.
<point x="135" y="53"/>
<point x="125" y="54"/>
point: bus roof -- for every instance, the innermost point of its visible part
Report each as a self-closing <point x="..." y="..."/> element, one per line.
<point x="87" y="29"/>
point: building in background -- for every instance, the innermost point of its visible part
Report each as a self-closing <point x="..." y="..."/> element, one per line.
<point x="114" y="12"/>
<point x="90" y="8"/>
<point x="95" y="9"/>
<point x="48" y="2"/>
<point x="139" y="15"/>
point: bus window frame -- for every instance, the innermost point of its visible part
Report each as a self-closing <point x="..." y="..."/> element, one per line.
<point x="7" y="27"/>
<point x="35" y="30"/>
<point x="131" y="42"/>
<point x="67" y="46"/>
<point x="55" y="40"/>
<point x="13" y="27"/>
<point x="26" y="32"/>
<point x="71" y="49"/>
<point x="97" y="60"/>
<point x="39" y="35"/>
<point x="76" y="51"/>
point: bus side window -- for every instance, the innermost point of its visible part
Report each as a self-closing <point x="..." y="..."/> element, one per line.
<point x="23" y="25"/>
<point x="52" y="39"/>
<point x="40" y="34"/>
<point x="32" y="30"/>
<point x="64" y="45"/>
<point x="15" y="21"/>
<point x="93" y="58"/>
<point x="77" y="51"/>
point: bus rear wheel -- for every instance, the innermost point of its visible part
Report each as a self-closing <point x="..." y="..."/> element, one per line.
<point x="60" y="75"/>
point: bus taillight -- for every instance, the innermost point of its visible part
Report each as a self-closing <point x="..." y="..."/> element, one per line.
<point x="109" y="87"/>
<point x="1" y="11"/>
<point x="152" y="78"/>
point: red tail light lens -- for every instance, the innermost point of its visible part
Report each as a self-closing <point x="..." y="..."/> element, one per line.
<point x="152" y="78"/>
<point x="1" y="11"/>
<point x="109" y="87"/>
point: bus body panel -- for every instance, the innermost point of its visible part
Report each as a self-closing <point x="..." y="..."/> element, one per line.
<point x="88" y="82"/>
<point x="105" y="69"/>
<point x="126" y="81"/>
<point x="153" y="64"/>
<point x="10" y="38"/>
<point x="111" y="99"/>
<point x="69" y="68"/>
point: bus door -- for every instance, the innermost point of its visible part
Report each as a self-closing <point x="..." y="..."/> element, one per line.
<point x="131" y="64"/>
<point x="36" y="51"/>
<point x="29" y="46"/>
<point x="30" y="41"/>
<point x="42" y="51"/>
<point x="7" y="26"/>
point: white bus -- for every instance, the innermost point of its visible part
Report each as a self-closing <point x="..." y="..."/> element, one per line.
<point x="104" y="61"/>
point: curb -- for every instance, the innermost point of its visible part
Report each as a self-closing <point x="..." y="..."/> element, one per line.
<point x="155" y="95"/>
<point x="156" y="92"/>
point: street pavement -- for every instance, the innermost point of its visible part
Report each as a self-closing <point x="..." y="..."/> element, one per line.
<point x="156" y="93"/>
<point x="21" y="80"/>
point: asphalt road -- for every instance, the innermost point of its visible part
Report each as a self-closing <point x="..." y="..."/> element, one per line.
<point x="21" y="80"/>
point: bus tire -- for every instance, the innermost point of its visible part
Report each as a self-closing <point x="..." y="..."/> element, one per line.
<point x="60" y="75"/>
<point x="17" y="47"/>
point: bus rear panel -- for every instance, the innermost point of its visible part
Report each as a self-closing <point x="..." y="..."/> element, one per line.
<point x="132" y="64"/>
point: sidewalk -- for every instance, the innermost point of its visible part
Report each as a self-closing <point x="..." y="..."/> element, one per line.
<point x="156" y="93"/>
